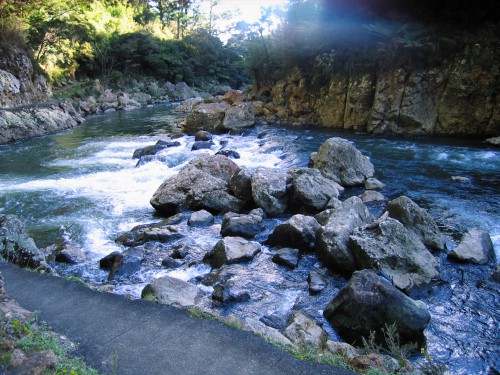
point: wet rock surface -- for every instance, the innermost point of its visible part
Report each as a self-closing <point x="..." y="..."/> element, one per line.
<point x="299" y="231"/>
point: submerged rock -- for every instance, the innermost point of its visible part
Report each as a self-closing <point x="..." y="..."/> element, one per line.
<point x="169" y="290"/>
<point x="153" y="149"/>
<point x="203" y="136"/>
<point x="229" y="153"/>
<point x="159" y="232"/>
<point x="312" y="190"/>
<point x="339" y="160"/>
<point x="127" y="264"/>
<point x="373" y="184"/>
<point x="16" y="246"/>
<point x="269" y="190"/>
<point x="287" y="257"/>
<point x="232" y="250"/>
<point x="417" y="221"/>
<point x="390" y="248"/>
<point x="202" y="145"/>
<point x="474" y="247"/>
<point x="333" y="238"/>
<point x="297" y="232"/>
<point x="368" y="302"/>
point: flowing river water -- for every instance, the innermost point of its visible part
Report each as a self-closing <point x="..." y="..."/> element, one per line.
<point x="83" y="186"/>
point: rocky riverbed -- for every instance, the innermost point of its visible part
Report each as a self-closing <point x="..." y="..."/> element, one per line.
<point x="275" y="248"/>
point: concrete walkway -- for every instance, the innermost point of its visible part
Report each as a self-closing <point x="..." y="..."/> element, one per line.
<point x="147" y="338"/>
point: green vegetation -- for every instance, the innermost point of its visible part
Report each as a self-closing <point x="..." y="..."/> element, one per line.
<point x="119" y="39"/>
<point x="32" y="336"/>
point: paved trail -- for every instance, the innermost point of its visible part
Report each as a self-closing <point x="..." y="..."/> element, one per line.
<point x="147" y="338"/>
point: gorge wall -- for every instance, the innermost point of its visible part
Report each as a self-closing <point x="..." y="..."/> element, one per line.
<point x="458" y="98"/>
<point x="22" y="88"/>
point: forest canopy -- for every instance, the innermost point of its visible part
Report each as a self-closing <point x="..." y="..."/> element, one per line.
<point x="178" y="40"/>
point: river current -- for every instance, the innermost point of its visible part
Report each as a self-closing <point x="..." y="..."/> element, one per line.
<point x="83" y="186"/>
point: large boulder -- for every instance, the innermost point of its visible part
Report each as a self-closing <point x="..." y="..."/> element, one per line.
<point x="16" y="246"/>
<point x="298" y="232"/>
<point x="201" y="184"/>
<point x="241" y="184"/>
<point x="206" y="116"/>
<point x="269" y="190"/>
<point x="416" y="220"/>
<point x="247" y="226"/>
<point x="180" y="91"/>
<point x="232" y="250"/>
<point x="391" y="249"/>
<point x="368" y="302"/>
<point x="339" y="160"/>
<point x="312" y="190"/>
<point x="333" y="238"/>
<point x="474" y="247"/>
<point x="239" y="116"/>
<point x="169" y="290"/>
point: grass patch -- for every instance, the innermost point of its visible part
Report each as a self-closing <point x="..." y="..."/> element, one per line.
<point x="32" y="336"/>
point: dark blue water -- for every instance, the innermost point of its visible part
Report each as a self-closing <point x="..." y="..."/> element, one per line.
<point x="82" y="185"/>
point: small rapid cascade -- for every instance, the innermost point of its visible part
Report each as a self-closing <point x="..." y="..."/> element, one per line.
<point x="83" y="187"/>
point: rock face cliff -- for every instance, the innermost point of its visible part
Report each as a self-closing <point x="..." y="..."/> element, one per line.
<point x="458" y="98"/>
<point x="22" y="87"/>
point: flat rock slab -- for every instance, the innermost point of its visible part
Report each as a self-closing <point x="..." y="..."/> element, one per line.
<point x="148" y="338"/>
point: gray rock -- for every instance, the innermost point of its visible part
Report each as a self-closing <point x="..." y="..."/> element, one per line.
<point x="333" y="238"/>
<point x="462" y="179"/>
<point x="241" y="185"/>
<point x="200" y="218"/>
<point x="221" y="201"/>
<point x="206" y="116"/>
<point x="474" y="247"/>
<point x="202" y="145"/>
<point x="495" y="141"/>
<point x="287" y="257"/>
<point x="127" y="265"/>
<point x="373" y="184"/>
<point x="267" y="331"/>
<point x="247" y="226"/>
<point x="226" y="294"/>
<point x="339" y="160"/>
<point x="496" y="274"/>
<point x="371" y="196"/>
<point x="153" y="149"/>
<point x="240" y="115"/>
<point x="369" y="301"/>
<point x="229" y="153"/>
<point x="187" y="105"/>
<point x="269" y="190"/>
<point x="160" y="232"/>
<point x="169" y="290"/>
<point x="198" y="185"/>
<point x="416" y="220"/>
<point x="312" y="190"/>
<point x="16" y="246"/>
<point x="71" y="253"/>
<point x="304" y="330"/>
<point x="297" y="232"/>
<point x="180" y="91"/>
<point x="317" y="282"/>
<point x="107" y="262"/>
<point x="232" y="250"/>
<point x="203" y="136"/>
<point x="390" y="248"/>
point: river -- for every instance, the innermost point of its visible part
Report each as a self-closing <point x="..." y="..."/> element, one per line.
<point x="83" y="186"/>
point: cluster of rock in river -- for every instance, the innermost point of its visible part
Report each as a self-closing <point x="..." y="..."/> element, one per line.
<point x="384" y="257"/>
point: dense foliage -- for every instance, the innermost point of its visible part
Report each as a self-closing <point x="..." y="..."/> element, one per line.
<point x="161" y="39"/>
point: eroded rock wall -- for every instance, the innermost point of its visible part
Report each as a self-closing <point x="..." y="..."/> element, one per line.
<point x="458" y="98"/>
